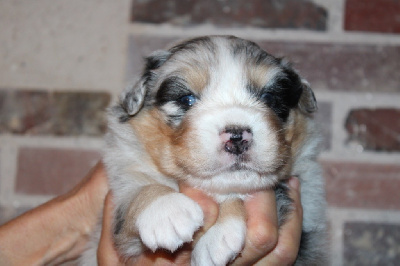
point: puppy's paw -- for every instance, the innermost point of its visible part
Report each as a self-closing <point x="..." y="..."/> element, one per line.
<point x="220" y="244"/>
<point x="169" y="221"/>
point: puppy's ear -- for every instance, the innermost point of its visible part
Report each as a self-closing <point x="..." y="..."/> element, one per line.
<point x="307" y="102"/>
<point x="133" y="98"/>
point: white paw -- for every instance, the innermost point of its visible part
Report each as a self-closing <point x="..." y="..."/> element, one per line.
<point x="169" y="221"/>
<point x="220" y="244"/>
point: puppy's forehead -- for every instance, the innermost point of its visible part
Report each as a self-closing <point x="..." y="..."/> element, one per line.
<point x="192" y="62"/>
<point x="210" y="61"/>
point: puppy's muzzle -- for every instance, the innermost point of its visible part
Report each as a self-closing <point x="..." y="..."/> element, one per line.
<point x="237" y="140"/>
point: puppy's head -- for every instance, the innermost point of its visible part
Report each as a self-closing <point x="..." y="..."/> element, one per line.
<point x="219" y="110"/>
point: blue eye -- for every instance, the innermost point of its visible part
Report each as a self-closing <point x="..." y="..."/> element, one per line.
<point x="188" y="100"/>
<point x="268" y="98"/>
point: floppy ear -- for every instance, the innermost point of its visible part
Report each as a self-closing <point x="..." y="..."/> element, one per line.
<point x="307" y="102"/>
<point x="133" y="98"/>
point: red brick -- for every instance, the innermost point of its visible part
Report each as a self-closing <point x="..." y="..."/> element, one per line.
<point x="43" y="171"/>
<point x="372" y="16"/>
<point x="362" y="185"/>
<point x="343" y="67"/>
<point x="23" y="111"/>
<point x="79" y="113"/>
<point x="336" y="67"/>
<point x="258" y="13"/>
<point x="60" y="113"/>
<point x="375" y="129"/>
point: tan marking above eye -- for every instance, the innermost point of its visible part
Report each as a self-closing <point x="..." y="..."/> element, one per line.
<point x="197" y="78"/>
<point x="259" y="76"/>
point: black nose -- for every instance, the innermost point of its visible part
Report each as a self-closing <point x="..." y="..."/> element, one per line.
<point x="239" y="140"/>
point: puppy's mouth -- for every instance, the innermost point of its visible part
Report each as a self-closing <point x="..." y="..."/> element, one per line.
<point x="238" y="167"/>
<point x="240" y="162"/>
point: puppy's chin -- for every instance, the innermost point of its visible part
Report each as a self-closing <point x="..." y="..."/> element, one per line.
<point x="237" y="177"/>
<point x="227" y="165"/>
<point x="237" y="182"/>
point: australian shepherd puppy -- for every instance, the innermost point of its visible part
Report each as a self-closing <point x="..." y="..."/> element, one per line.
<point x="223" y="116"/>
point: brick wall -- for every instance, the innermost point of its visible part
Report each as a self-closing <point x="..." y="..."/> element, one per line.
<point x="62" y="63"/>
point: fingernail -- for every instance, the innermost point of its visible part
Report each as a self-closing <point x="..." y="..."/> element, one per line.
<point x="294" y="183"/>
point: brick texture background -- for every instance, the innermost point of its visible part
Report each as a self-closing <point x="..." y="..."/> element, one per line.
<point x="55" y="85"/>
<point x="383" y="16"/>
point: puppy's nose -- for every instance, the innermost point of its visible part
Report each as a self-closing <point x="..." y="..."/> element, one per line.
<point x="237" y="139"/>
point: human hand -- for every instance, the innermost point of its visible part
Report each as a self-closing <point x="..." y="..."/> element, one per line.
<point x="58" y="230"/>
<point x="265" y="243"/>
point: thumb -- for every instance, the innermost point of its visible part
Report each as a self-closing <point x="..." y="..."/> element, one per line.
<point x="207" y="204"/>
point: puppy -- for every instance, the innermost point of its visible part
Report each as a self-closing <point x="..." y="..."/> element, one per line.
<point x="226" y="117"/>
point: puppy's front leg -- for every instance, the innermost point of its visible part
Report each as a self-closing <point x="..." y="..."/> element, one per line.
<point x="160" y="216"/>
<point x="225" y="239"/>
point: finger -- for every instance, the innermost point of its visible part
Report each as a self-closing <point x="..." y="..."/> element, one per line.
<point x="207" y="204"/>
<point x="285" y="252"/>
<point x="262" y="227"/>
<point x="106" y="252"/>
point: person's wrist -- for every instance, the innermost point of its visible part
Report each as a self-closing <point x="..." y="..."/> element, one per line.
<point x="87" y="199"/>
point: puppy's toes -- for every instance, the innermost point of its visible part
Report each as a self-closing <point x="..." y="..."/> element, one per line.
<point x="220" y="244"/>
<point x="169" y="221"/>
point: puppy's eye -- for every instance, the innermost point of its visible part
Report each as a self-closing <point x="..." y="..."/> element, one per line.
<point x="268" y="98"/>
<point x="188" y="100"/>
